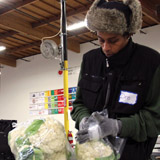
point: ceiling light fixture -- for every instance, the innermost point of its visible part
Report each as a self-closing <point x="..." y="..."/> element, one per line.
<point x="76" y="26"/>
<point x="2" y="48"/>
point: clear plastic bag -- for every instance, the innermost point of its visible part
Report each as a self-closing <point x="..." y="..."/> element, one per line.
<point x="108" y="148"/>
<point x="116" y="143"/>
<point x="94" y="150"/>
<point x="40" y="139"/>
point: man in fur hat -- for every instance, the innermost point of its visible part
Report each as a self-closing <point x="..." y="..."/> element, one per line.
<point x="122" y="77"/>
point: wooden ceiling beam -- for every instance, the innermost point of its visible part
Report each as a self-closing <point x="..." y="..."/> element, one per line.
<point x="20" y="25"/>
<point x="150" y="15"/>
<point x="57" y="17"/>
<point x="79" y="2"/>
<point x="7" y="34"/>
<point x="37" y="43"/>
<point x="23" y="47"/>
<point x="51" y="5"/>
<point x="16" y="5"/>
<point x="158" y="11"/>
<point x="7" y="60"/>
<point x="149" y="11"/>
<point x="45" y="21"/>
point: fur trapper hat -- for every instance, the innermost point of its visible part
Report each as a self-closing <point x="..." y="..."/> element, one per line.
<point x="115" y="16"/>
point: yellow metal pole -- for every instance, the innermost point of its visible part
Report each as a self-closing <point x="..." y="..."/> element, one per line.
<point x="66" y="102"/>
<point x="65" y="63"/>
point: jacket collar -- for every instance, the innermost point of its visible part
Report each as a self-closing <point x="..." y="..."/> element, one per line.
<point x="123" y="56"/>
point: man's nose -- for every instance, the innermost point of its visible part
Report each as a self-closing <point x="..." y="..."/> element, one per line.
<point x="106" y="46"/>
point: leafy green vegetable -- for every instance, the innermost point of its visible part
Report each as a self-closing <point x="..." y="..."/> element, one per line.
<point x="38" y="154"/>
<point x="33" y="128"/>
<point x="30" y="142"/>
<point x="26" y="154"/>
<point x="29" y="153"/>
<point x="20" y="141"/>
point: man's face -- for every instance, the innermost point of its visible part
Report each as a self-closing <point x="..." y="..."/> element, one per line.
<point x="111" y="43"/>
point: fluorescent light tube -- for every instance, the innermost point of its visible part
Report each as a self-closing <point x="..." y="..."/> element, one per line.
<point x="2" y="48"/>
<point x="76" y="26"/>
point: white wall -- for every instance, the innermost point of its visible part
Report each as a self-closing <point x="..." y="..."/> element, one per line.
<point x="37" y="75"/>
<point x="41" y="75"/>
<point x="151" y="38"/>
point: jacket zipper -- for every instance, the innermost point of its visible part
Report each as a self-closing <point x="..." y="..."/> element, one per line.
<point x="107" y="63"/>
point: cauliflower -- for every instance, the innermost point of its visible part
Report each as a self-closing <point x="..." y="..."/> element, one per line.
<point x="40" y="139"/>
<point x="17" y="131"/>
<point x="94" y="150"/>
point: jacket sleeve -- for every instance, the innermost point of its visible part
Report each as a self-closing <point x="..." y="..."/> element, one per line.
<point x="79" y="110"/>
<point x="146" y="123"/>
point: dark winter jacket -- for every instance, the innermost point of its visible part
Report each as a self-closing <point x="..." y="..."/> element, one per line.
<point x="128" y="85"/>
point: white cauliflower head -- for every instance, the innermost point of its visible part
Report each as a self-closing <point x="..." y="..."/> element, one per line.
<point x="50" y="137"/>
<point x="41" y="139"/>
<point x="92" y="150"/>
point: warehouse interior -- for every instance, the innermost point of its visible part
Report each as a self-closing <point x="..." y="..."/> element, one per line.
<point x="23" y="69"/>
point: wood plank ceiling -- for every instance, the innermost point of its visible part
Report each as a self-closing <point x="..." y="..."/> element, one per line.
<point x="23" y="23"/>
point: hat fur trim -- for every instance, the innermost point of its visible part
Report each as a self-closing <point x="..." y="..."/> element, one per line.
<point x="136" y="19"/>
<point x="113" y="20"/>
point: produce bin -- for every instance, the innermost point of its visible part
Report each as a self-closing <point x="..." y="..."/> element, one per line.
<point x="5" y="127"/>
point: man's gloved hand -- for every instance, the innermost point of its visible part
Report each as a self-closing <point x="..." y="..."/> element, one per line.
<point x="104" y="127"/>
<point x="84" y="124"/>
<point x="92" y="133"/>
<point x="108" y="126"/>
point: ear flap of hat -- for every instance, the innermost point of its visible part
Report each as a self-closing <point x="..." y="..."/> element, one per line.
<point x="136" y="19"/>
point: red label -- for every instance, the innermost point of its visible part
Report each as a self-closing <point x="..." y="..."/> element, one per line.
<point x="60" y="110"/>
<point x="61" y="104"/>
<point x="60" y="91"/>
<point x="60" y="98"/>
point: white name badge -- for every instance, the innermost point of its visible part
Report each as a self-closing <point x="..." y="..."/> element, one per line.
<point x="128" y="97"/>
